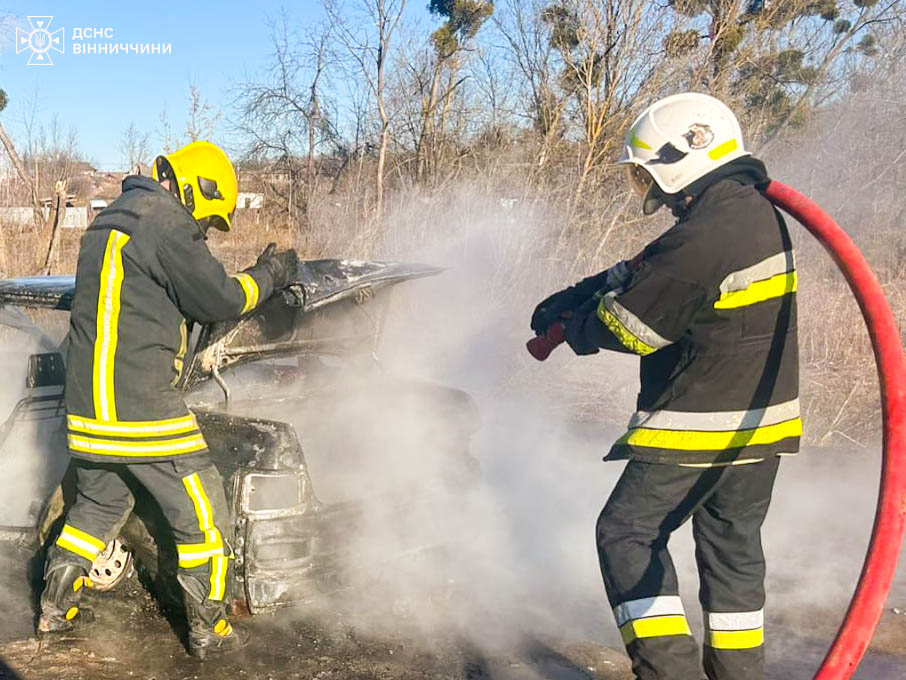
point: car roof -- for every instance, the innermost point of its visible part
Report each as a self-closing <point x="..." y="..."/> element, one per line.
<point x="44" y="292"/>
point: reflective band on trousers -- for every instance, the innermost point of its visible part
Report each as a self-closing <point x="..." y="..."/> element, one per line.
<point x="735" y="630"/>
<point x="106" y="337"/>
<point x="81" y="543"/>
<point x="773" y="277"/>
<point x="651" y="617"/>
<point x="715" y="430"/>
<point x="205" y="514"/>
<point x="250" y="288"/>
<point x="631" y="331"/>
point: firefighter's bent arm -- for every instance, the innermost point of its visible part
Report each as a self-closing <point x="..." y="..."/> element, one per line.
<point x="199" y="284"/>
<point x="653" y="311"/>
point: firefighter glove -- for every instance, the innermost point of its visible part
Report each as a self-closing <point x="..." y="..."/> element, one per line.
<point x="552" y="309"/>
<point x="282" y="265"/>
<point x="576" y="336"/>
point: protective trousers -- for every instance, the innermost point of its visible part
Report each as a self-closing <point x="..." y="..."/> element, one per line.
<point x="727" y="506"/>
<point x="190" y="493"/>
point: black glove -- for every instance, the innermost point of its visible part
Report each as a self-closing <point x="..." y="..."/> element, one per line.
<point x="282" y="265"/>
<point x="552" y="309"/>
<point x="570" y="299"/>
<point x="576" y="336"/>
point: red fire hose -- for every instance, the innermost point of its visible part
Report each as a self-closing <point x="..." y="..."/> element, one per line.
<point x="880" y="565"/>
<point x="890" y="519"/>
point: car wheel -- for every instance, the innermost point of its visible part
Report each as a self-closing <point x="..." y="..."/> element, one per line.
<point x="111" y="567"/>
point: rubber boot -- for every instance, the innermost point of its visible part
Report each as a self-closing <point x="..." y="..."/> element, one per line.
<point x="210" y="634"/>
<point x="60" y="611"/>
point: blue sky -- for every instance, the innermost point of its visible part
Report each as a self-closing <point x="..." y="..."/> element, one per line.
<point x="214" y="44"/>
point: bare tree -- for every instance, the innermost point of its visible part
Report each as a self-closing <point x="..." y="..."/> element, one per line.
<point x="133" y="148"/>
<point x="284" y="115"/>
<point x="202" y="118"/>
<point x="369" y="44"/>
<point x="18" y="165"/>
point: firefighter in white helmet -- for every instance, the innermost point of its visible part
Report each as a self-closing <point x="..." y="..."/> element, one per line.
<point x="710" y="306"/>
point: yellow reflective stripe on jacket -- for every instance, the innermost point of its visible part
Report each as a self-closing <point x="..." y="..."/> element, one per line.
<point x="139" y="448"/>
<point x="81" y="543"/>
<point x="716" y="421"/>
<point x="250" y="288"/>
<point x="770" y="278"/>
<point x="631" y="331"/>
<point x="654" y="626"/>
<point x="133" y="428"/>
<point x="735" y="630"/>
<point x="691" y="440"/>
<point x="108" y="312"/>
<point x="178" y="360"/>
<point x="759" y="291"/>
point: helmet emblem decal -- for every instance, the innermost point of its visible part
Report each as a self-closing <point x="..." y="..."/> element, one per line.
<point x="699" y="136"/>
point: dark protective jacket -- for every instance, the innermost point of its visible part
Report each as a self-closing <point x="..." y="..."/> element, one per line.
<point x="143" y="270"/>
<point x="711" y="308"/>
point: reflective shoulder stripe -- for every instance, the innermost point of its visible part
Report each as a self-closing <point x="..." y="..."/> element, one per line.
<point x="712" y="441"/>
<point x="781" y="263"/>
<point x="631" y="331"/>
<point x="660" y="605"/>
<point x="774" y="287"/>
<point x="716" y="421"/>
<point x="106" y="338"/>
<point x="774" y="276"/>
<point x="250" y="288"/>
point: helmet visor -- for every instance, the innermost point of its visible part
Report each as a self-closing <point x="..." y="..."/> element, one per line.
<point x="639" y="178"/>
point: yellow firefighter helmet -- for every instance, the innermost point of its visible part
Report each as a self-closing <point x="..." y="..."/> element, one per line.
<point x="203" y="178"/>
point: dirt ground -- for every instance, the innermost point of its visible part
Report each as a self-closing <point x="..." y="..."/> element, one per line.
<point x="131" y="638"/>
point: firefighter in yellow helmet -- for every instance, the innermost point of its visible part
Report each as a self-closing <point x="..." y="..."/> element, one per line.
<point x="144" y="273"/>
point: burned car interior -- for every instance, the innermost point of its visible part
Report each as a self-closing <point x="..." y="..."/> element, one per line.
<point x="275" y="412"/>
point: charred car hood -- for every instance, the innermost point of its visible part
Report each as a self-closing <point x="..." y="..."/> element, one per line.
<point x="323" y="311"/>
<point x="318" y="283"/>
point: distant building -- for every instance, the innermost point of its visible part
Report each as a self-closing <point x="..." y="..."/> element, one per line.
<point x="250" y="199"/>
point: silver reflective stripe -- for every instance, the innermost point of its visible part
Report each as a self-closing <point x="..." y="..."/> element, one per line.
<point x="781" y="263"/>
<point x="736" y="620"/>
<point x="715" y="421"/>
<point x="618" y="275"/>
<point x="662" y="605"/>
<point x="634" y="324"/>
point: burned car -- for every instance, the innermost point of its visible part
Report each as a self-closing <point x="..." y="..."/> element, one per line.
<point x="304" y="363"/>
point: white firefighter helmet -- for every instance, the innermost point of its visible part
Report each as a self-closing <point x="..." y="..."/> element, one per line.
<point x="678" y="140"/>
